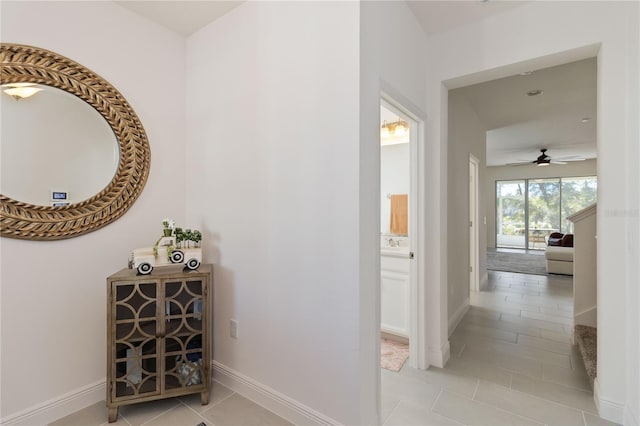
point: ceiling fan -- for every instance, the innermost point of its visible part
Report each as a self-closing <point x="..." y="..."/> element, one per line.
<point x="544" y="159"/>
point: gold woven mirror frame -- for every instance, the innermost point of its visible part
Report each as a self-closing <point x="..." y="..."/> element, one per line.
<point x="27" y="64"/>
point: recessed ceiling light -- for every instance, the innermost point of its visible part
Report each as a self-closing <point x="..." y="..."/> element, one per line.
<point x="535" y="92"/>
<point x="526" y="73"/>
<point x="586" y="119"/>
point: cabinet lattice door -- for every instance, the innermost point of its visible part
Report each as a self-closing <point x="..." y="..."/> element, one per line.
<point x="158" y="336"/>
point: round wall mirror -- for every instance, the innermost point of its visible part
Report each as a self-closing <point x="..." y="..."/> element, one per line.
<point x="54" y="145"/>
<point x="74" y="155"/>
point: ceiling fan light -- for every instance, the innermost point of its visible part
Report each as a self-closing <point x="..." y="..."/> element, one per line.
<point x="21" y="90"/>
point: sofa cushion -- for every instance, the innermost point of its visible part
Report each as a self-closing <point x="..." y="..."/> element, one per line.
<point x="567" y="240"/>
<point x="564" y="254"/>
<point x="555" y="239"/>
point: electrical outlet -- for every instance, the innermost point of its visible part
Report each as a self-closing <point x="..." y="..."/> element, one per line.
<point x="233" y="328"/>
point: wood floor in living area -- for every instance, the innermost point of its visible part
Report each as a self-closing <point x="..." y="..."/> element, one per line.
<point x="512" y="363"/>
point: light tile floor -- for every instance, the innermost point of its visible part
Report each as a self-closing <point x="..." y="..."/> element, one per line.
<point x="512" y="363"/>
<point x="226" y="408"/>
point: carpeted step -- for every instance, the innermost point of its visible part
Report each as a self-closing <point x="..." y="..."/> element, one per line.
<point x="587" y="341"/>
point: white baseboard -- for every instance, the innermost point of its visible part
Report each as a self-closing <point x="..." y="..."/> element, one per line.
<point x="484" y="281"/>
<point x="56" y="408"/>
<point x="588" y="317"/>
<point x="457" y="316"/>
<point x="609" y="410"/>
<point x="438" y="357"/>
<point x="282" y="405"/>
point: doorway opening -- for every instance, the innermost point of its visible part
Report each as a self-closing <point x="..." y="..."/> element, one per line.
<point x="399" y="225"/>
<point x="474" y="241"/>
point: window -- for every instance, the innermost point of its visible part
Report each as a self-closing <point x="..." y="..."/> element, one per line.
<point x="528" y="210"/>
<point x="577" y="193"/>
<point x="510" y="209"/>
<point x="544" y="211"/>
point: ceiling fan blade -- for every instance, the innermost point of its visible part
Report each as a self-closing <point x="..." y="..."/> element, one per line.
<point x="523" y="163"/>
<point x="558" y="162"/>
<point x="574" y="158"/>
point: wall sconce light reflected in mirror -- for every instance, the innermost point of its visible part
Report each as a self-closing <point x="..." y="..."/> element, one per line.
<point x="21" y="90"/>
<point x="395" y="128"/>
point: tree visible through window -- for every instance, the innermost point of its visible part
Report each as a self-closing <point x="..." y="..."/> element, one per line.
<point x="510" y="218"/>
<point x="577" y="193"/>
<point x="528" y="210"/>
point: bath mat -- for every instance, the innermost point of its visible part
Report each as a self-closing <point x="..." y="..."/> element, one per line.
<point x="393" y="354"/>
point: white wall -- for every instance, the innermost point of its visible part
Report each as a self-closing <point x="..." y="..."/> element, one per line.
<point x="290" y="179"/>
<point x="493" y="174"/>
<point x="386" y="26"/>
<point x="53" y="309"/>
<point x="632" y="217"/>
<point x="516" y="41"/>
<point x="272" y="130"/>
<point x="390" y="27"/>
<point x="467" y="135"/>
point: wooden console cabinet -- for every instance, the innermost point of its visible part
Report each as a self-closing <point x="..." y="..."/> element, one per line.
<point x="158" y="329"/>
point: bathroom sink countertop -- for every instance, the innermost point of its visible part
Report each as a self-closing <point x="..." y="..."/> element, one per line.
<point x="394" y="251"/>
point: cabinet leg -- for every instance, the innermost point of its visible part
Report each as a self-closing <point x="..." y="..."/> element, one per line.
<point x="113" y="414"/>
<point x="204" y="397"/>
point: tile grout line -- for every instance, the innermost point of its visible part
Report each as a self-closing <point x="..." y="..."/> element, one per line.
<point x="439" y="414"/>
<point x="508" y="412"/>
<point x="475" y="392"/>
<point x="554" y="401"/>
<point x="209" y="405"/>
<point x="435" y="401"/>
<point x="161" y="414"/>
<point x="391" y="413"/>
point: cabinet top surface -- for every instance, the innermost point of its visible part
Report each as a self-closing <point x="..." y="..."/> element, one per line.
<point x="162" y="272"/>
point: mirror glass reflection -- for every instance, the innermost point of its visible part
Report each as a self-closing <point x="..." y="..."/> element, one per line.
<point x="54" y="143"/>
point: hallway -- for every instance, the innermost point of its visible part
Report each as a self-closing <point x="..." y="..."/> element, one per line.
<point x="511" y="363"/>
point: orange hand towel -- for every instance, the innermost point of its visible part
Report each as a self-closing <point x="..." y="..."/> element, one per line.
<point x="399" y="214"/>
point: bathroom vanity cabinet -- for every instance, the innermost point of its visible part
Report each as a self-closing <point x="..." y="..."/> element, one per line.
<point x="395" y="292"/>
<point x="158" y="329"/>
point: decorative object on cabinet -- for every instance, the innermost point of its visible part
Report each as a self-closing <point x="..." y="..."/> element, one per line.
<point x="158" y="329"/>
<point x="172" y="248"/>
<point x="22" y="219"/>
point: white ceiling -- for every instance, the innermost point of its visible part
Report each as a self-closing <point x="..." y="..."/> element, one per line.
<point x="437" y="16"/>
<point x="183" y="16"/>
<point x="188" y="16"/>
<point x="518" y="125"/>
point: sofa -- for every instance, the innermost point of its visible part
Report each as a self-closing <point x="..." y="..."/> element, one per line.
<point x="559" y="254"/>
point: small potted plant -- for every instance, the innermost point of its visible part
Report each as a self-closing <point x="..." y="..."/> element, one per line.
<point x="188" y="237"/>
<point x="167" y="227"/>
<point x="179" y="236"/>
<point x="197" y="237"/>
